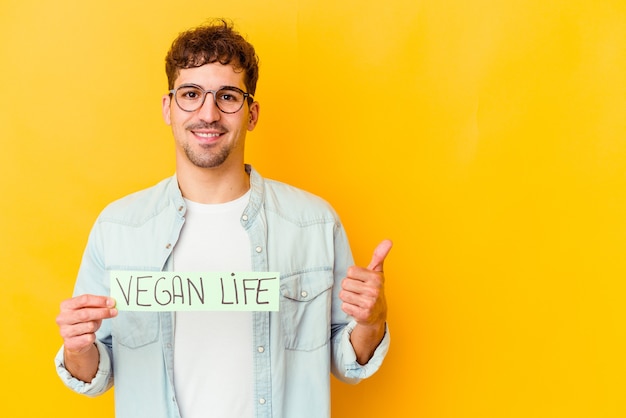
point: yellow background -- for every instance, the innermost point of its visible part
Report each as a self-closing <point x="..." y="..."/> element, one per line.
<point x="487" y="138"/>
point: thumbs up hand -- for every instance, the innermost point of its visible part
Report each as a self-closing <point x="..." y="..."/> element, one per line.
<point x="363" y="294"/>
<point x="363" y="297"/>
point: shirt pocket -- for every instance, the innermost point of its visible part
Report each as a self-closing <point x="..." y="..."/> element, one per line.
<point x="135" y="329"/>
<point x="305" y="306"/>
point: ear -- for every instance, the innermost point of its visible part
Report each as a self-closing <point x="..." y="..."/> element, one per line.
<point x="166" y="102"/>
<point x="253" y="115"/>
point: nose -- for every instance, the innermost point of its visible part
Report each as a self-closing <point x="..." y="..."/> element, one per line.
<point x="209" y="111"/>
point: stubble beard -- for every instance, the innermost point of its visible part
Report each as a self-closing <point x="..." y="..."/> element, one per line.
<point x="207" y="159"/>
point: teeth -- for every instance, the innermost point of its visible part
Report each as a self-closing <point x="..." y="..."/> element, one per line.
<point x="207" y="135"/>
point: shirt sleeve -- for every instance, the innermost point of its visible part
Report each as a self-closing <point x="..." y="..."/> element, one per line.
<point x="351" y="368"/>
<point x="100" y="383"/>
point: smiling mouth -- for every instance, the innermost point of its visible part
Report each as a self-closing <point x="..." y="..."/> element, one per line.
<point x="207" y="132"/>
<point x="207" y="135"/>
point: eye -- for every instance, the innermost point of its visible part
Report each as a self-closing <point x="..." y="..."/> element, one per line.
<point x="227" y="95"/>
<point x="189" y="93"/>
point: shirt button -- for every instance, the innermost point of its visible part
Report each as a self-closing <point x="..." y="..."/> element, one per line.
<point x="244" y="217"/>
<point x="168" y="246"/>
<point x="261" y="349"/>
<point x="180" y="208"/>
<point x="304" y="294"/>
<point x="258" y="249"/>
<point x="262" y="401"/>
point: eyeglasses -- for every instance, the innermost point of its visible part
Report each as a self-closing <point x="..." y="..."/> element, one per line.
<point x="190" y="97"/>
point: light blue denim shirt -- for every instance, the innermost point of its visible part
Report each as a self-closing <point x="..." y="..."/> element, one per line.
<point x="295" y="349"/>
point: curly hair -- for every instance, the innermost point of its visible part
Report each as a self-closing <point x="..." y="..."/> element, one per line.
<point x="210" y="43"/>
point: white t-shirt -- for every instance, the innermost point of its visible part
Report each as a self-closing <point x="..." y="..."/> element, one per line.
<point x="213" y="369"/>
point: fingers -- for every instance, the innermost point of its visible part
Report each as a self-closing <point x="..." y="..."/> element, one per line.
<point x="376" y="265"/>
<point x="81" y="317"/>
<point x="365" y="300"/>
<point x="366" y="308"/>
<point x="363" y="296"/>
<point x="362" y="291"/>
<point x="87" y="301"/>
<point x="86" y="308"/>
<point x="380" y="253"/>
<point x="363" y="281"/>
<point x="76" y="340"/>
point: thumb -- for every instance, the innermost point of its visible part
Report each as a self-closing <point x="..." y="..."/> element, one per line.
<point x="380" y="253"/>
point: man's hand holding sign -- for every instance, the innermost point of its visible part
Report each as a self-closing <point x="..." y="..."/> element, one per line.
<point x="80" y="318"/>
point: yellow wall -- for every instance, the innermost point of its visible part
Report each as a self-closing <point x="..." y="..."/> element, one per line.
<point x="486" y="138"/>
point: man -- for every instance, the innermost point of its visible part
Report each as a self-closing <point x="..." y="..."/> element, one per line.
<point x="218" y="214"/>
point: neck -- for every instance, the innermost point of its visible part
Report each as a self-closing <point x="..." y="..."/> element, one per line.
<point x="212" y="185"/>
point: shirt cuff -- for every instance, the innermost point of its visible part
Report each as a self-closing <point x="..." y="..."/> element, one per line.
<point x="353" y="369"/>
<point x="100" y="383"/>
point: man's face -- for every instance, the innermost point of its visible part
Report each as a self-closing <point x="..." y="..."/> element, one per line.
<point x="207" y="137"/>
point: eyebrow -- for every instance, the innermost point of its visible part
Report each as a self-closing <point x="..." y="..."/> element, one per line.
<point x="200" y="87"/>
